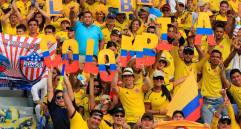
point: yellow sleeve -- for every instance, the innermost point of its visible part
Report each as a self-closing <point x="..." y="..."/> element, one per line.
<point x="214" y="123"/>
<point x="77" y="122"/>
<point x="232" y="116"/>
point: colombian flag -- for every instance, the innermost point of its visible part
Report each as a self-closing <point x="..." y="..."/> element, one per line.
<point x="187" y="99"/>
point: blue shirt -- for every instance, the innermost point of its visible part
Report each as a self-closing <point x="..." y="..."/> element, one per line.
<point x="83" y="33"/>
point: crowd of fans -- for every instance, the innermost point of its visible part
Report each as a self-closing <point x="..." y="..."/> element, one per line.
<point x="136" y="97"/>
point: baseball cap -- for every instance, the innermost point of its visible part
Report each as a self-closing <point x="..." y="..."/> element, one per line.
<point x="128" y="71"/>
<point x="70" y="28"/>
<point x="188" y="49"/>
<point x="118" y="110"/>
<point x="158" y="73"/>
<point x="225" y="119"/>
<point x="164" y="59"/>
<point x="115" y="32"/>
<point x="147" y="9"/>
<point x="166" y="6"/>
<point x="148" y="116"/>
<point x="181" y="3"/>
<point x="65" y="19"/>
<point x="201" y="3"/>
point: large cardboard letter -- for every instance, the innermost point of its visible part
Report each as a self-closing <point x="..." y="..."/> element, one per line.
<point x="126" y="6"/>
<point x="49" y="39"/>
<point x="54" y="7"/>
<point x="89" y="66"/>
<point x="164" y="21"/>
<point x="102" y="67"/>
<point x="151" y="41"/>
<point x="74" y="66"/>
<point x="204" y="28"/>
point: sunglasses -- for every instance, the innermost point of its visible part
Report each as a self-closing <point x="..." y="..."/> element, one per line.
<point x="158" y="78"/>
<point x="226" y="122"/>
<point x="188" y="53"/>
<point x="59" y="97"/>
<point x="119" y="115"/>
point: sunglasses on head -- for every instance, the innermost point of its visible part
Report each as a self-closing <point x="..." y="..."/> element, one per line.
<point x="158" y="78"/>
<point x="116" y="115"/>
<point x="59" y="97"/>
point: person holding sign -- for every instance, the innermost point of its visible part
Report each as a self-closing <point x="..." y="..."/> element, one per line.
<point x="131" y="95"/>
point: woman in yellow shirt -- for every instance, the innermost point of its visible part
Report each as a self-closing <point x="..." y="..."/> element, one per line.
<point x="158" y="97"/>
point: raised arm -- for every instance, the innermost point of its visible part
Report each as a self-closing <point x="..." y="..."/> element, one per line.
<point x="72" y="16"/>
<point x="68" y="103"/>
<point x="50" y="89"/>
<point x="5" y="17"/>
<point x="69" y="88"/>
<point x="115" y="81"/>
<point x="47" y="17"/>
<point x="236" y="46"/>
<point x="225" y="81"/>
<point x="16" y="11"/>
<point x="92" y="95"/>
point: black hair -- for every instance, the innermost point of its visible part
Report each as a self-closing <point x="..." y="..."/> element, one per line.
<point x="166" y="92"/>
<point x="216" y="51"/>
<point x="178" y="112"/>
<point x="151" y="27"/>
<point x="92" y="112"/>
<point x="111" y="44"/>
<point x="56" y="92"/>
<point x="50" y="27"/>
<point x="224" y="2"/>
<point x="219" y="24"/>
<point x="33" y="20"/>
<point x="21" y="26"/>
<point x="41" y="25"/>
<point x="85" y="12"/>
<point x="233" y="71"/>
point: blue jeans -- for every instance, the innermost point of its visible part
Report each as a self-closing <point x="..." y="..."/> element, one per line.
<point x="209" y="107"/>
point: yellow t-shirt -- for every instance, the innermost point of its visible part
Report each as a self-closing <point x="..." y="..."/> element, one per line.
<point x="106" y="33"/>
<point x="23" y="7"/>
<point x="236" y="93"/>
<point x="77" y="122"/>
<point x="8" y="29"/>
<point x="124" y="25"/>
<point x="221" y="18"/>
<point x="211" y="81"/>
<point x="224" y="47"/>
<point x="66" y="8"/>
<point x="156" y="99"/>
<point x="133" y="102"/>
<point x="234" y="5"/>
<point x="106" y="122"/>
<point x="78" y="96"/>
<point x="185" y="20"/>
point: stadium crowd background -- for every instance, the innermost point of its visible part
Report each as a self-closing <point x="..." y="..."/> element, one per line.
<point x="137" y="97"/>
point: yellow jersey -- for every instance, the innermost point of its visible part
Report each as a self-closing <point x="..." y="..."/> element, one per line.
<point x="224" y="47"/>
<point x="133" y="102"/>
<point x="236" y="93"/>
<point x="106" y="122"/>
<point x="77" y="122"/>
<point x="8" y="29"/>
<point x="211" y="81"/>
<point x="234" y="5"/>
